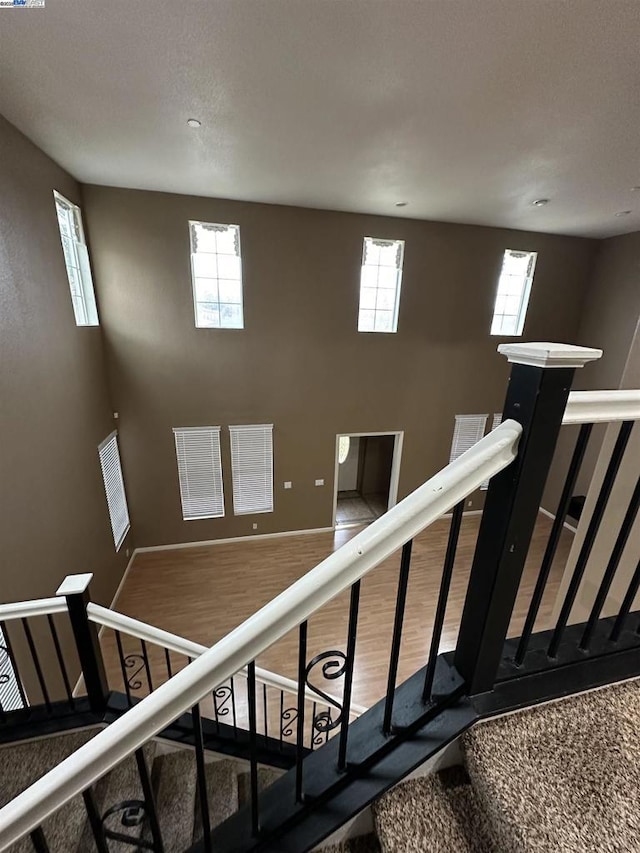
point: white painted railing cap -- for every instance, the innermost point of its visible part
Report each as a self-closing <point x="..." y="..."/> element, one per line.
<point x="74" y="584"/>
<point x="545" y="354"/>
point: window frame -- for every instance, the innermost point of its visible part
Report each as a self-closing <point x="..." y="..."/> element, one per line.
<point x="525" y="295"/>
<point x="82" y="268"/>
<point x="193" y="253"/>
<point x="398" y="286"/>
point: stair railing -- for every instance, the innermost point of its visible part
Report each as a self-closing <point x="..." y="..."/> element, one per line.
<point x="340" y="571"/>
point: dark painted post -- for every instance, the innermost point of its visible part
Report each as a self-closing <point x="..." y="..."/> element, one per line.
<point x="75" y="589"/>
<point x="537" y="394"/>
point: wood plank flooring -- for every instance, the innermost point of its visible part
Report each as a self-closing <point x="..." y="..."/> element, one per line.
<point x="202" y="593"/>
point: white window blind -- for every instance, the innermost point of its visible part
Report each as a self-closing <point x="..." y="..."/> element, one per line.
<point x="380" y="279"/>
<point x="76" y="259"/>
<point x="10" y="699"/>
<point x="252" y="468"/>
<point x="216" y="271"/>
<point x="114" y="488"/>
<point x="497" y="420"/>
<point x="468" y="430"/>
<point x="200" y="472"/>
<point x="514" y="289"/>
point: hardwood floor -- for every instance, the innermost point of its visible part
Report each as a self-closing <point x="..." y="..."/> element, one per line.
<point x="202" y="593"/>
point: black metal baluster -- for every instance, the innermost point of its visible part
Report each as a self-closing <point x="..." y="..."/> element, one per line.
<point x="354" y="605"/>
<point x="147" y="668"/>
<point x="281" y="717"/>
<point x="445" y="583"/>
<point x="39" y="841"/>
<point x="326" y="733"/>
<point x="61" y="663"/>
<point x="14" y="664"/>
<point x="253" y="747"/>
<point x="167" y="658"/>
<point x="233" y="708"/>
<point x="215" y="711"/>
<point x="203" y="797"/>
<point x="94" y="821"/>
<point x="401" y="600"/>
<point x="302" y="675"/>
<point x="627" y="604"/>
<point x="314" y="711"/>
<point x="123" y="667"/>
<point x="264" y="705"/>
<point x="149" y="801"/>
<point x="590" y="536"/>
<point x="36" y="663"/>
<point x="612" y="566"/>
<point x="553" y="541"/>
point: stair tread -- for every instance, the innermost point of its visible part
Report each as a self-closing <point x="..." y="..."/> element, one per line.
<point x="563" y="776"/>
<point x="222" y="792"/>
<point x="174" y="776"/>
<point x="360" y="844"/>
<point x="22" y="764"/>
<point x="439" y="813"/>
<point x="266" y="776"/>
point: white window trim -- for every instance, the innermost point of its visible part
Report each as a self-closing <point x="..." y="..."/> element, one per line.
<point x="82" y="265"/>
<point x="119" y="534"/>
<point x="234" y="431"/>
<point x="193" y="253"/>
<point x="524" y="296"/>
<point x="216" y="487"/>
<point x="399" y="271"/>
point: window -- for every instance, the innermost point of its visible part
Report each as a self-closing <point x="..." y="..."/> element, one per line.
<point x="380" y="280"/>
<point x="10" y="696"/>
<point x="114" y="488"/>
<point x="512" y="297"/>
<point x="216" y="272"/>
<point x="200" y="472"/>
<point x="252" y="468"/>
<point x="497" y="420"/>
<point x="76" y="258"/>
<point x="469" y="429"/>
<point x="344" y="443"/>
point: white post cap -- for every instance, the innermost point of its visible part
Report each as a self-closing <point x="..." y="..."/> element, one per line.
<point x="549" y="355"/>
<point x="74" y="584"/>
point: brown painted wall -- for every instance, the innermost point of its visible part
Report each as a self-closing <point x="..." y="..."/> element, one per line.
<point x="300" y="363"/>
<point x="54" y="408"/>
<point x="610" y="315"/>
<point x="376" y="464"/>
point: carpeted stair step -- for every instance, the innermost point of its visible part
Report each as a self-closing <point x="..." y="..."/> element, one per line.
<point x="360" y="844"/>
<point x="438" y="813"/>
<point x="564" y="776"/>
<point x="113" y="791"/>
<point x="23" y="764"/>
<point x="266" y="776"/>
<point x="174" y="785"/>
<point x="222" y="791"/>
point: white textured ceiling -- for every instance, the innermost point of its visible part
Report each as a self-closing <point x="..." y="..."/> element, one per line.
<point x="466" y="109"/>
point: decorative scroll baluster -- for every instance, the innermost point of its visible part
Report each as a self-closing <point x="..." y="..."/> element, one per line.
<point x="123" y="667"/>
<point x="302" y="672"/>
<point x="145" y="658"/>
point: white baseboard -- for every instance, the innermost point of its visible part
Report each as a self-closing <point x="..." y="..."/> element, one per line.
<point x="551" y="515"/>
<point x="122" y="580"/>
<point x="251" y="538"/>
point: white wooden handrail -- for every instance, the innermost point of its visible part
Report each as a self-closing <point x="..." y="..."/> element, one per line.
<point x="38" y="607"/>
<point x="328" y="579"/>
<point x="591" y="407"/>
<point x="150" y="634"/>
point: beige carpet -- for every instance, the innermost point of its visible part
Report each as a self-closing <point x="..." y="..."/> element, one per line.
<point x="562" y="777"/>
<point x="437" y="813"/>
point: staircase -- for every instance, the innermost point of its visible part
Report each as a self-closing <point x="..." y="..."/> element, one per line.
<point x="180" y="760"/>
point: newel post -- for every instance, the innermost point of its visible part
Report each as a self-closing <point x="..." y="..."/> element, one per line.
<point x="75" y="589"/>
<point x="537" y="394"/>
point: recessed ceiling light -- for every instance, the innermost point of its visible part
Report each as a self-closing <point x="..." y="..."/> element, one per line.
<point x="540" y="202"/>
<point x="193" y="122"/>
<point x="623" y="213"/>
<point x="402" y="203"/>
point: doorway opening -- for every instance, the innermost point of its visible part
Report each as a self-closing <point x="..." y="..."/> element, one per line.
<point x="366" y="476"/>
